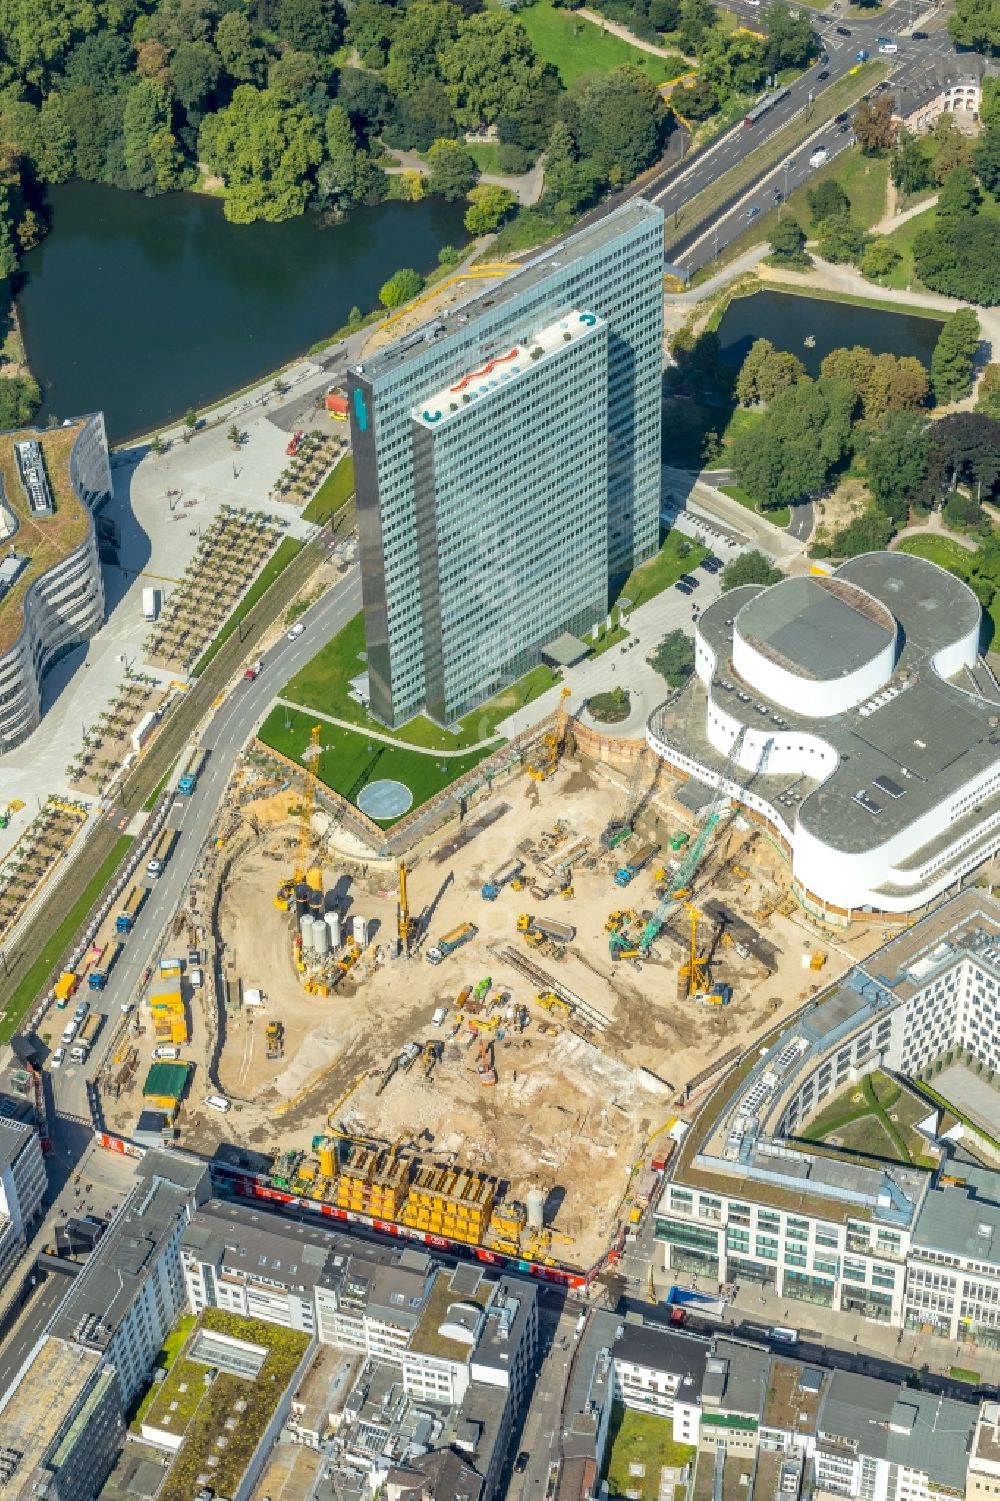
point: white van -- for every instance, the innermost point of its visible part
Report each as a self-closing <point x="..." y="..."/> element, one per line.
<point x="785" y="1336"/>
<point x="819" y="156"/>
<point x="69" y="1032"/>
<point x="166" y="1050"/>
<point x="218" y="1102"/>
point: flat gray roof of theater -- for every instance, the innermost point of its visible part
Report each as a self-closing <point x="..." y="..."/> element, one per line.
<point x="929" y="739"/>
<point x="483" y="299"/>
<point x="818" y="632"/>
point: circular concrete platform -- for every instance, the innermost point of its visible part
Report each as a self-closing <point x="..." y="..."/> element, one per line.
<point x="385" y="799"/>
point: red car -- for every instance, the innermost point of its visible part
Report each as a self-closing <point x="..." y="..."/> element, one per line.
<point x="294" y="444"/>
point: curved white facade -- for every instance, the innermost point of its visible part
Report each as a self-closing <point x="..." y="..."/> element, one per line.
<point x="62" y="606"/>
<point x="881" y="771"/>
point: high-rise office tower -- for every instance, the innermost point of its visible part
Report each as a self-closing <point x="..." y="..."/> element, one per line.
<point x="507" y="462"/>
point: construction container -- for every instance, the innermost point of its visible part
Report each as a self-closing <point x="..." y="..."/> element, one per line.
<point x="314" y="878"/>
<point x="359" y="928"/>
<point x="332" y="921"/>
<point x="535" y="1206"/>
<point x="320" y="937"/>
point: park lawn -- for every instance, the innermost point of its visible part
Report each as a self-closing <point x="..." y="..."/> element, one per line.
<point x="279" y="560"/>
<point x="903" y="275"/>
<point x="486" y="155"/>
<point x="349" y="760"/>
<point x="677" y="555"/>
<point x="641" y="1438"/>
<point x="323" y="684"/>
<point x="864" y="179"/>
<point x="777" y="515"/>
<point x="576" y="47"/>
<point x="335" y="491"/>
<point x="59" y="941"/>
<point x="742" y="420"/>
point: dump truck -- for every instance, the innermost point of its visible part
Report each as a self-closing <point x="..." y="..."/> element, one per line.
<point x="161" y="852"/>
<point x="254" y="671"/>
<point x="80" y="1050"/>
<point x="190" y="768"/>
<point x="634" y="863"/>
<point x="133" y="904"/>
<point x="492" y="888"/>
<point x="275" y="1039"/>
<point x="65" y="986"/>
<point x="451" y="941"/>
<point x="559" y="932"/>
<point x="98" y="977"/>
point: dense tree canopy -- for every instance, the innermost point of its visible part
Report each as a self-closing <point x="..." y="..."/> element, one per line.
<point x="750" y="567"/>
<point x="954" y="352"/>
<point x="792" y="452"/>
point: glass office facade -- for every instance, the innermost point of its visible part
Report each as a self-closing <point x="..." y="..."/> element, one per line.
<point x="614" y="269"/>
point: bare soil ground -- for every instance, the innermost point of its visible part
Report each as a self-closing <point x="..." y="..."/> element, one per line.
<point x="573" y="1109"/>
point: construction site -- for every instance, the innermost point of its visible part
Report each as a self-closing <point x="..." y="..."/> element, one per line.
<point x="494" y="1042"/>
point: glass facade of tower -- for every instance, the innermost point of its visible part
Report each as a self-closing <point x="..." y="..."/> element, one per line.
<point x="466" y="522"/>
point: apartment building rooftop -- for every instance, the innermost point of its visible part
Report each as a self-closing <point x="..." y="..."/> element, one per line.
<point x="665" y="1350"/>
<point x="506" y="1318"/>
<point x="101" y="1296"/>
<point x="573" y="246"/>
<point x="452" y="1314"/>
<point x="962" y="1219"/>
<point x="794" y="1394"/>
<point x="441" y="1475"/>
<point x="986" y="1439"/>
<point x="13" y="1135"/>
<point x="856" y="1409"/>
<point x="30" y="1418"/>
<point x="251" y="1244"/>
<point x="933" y="1434"/>
<point x="735" y="1378"/>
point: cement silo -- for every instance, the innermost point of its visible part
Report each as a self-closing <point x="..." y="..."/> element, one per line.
<point x="535" y="1207"/>
<point x="332" y="921"/>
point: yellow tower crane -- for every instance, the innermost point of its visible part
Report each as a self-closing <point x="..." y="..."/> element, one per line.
<point x="286" y="891"/>
<point x="404" y="912"/>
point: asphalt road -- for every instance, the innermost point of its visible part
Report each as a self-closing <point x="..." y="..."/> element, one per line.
<point x="915" y="63"/>
<point x="18" y="1345"/>
<point x="542" y="1431"/>
<point x="236" y="719"/>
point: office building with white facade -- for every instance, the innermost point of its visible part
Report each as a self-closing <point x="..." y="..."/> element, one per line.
<point x="51" y="589"/>
<point x="748" y="1199"/>
<point x="23" y="1182"/>
<point x="507" y="463"/>
<point x="128" y="1295"/>
<point x="865" y="726"/>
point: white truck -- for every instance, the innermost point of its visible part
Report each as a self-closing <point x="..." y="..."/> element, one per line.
<point x="150" y="604"/>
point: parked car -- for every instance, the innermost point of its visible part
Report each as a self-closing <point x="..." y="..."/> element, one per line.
<point x="683" y="588"/>
<point x="823" y="75"/>
<point x="218" y="1102"/>
<point x="56" y="1060"/>
<point x="196" y="977"/>
<point x="689" y="578"/>
<point x="843" y="31"/>
<point x="844" y="115"/>
<point x="296" y="631"/>
<point x="919" y="36"/>
<point x="521" y="1462"/>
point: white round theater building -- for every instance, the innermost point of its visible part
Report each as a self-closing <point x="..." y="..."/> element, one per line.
<point x="867" y="726"/>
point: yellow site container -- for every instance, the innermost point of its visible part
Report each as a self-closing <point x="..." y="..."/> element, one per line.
<point x="178" y="1031"/>
<point x="307" y="1171"/>
<point x="327" y="1160"/>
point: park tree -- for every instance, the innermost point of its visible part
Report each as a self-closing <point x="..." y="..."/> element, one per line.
<point x="765" y="373"/>
<point x="401" y="287"/>
<point x="790" y="39"/>
<point x="879" y="257"/>
<point x="975" y="23"/>
<point x="954" y="353"/>
<point x="311" y="25"/>
<point x="453" y="170"/>
<point x="897" y="459"/>
<point x="989" y="100"/>
<point x="961" y="258"/>
<point x="840" y="239"/>
<point x="869" y="532"/>
<point x="195" y="68"/>
<point x="911" y="163"/>
<point x="804" y="434"/>
<point x="491" y="68"/>
<point x="421" y="34"/>
<point x="964" y="450"/>
<point x="674" y="658"/>
<point x="751" y="567"/>
<point x="420" y="118"/>
<point x="367" y="101"/>
<point x="827" y="200"/>
<point x="953" y="148"/>
<point x="732" y="60"/>
<point x="664" y="15"/>
<point x="788" y="243"/>
<point x="571" y="183"/>
<point x="371" y="29"/>
<point x="20" y="399"/>
<point x="54" y="153"/>
<point x="489" y="206"/>
<point x="882" y="382"/>
<point x="621" y="120"/>
<point x="697" y="100"/>
<point x="266" y="151"/>
<point x="959" y="198"/>
<point x="101" y="62"/>
<point x="697" y="17"/>
<point x="153" y="161"/>
<point x="242" y="55"/>
<point x="988" y="394"/>
<point x="986" y="159"/>
<point x="874" y="127"/>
